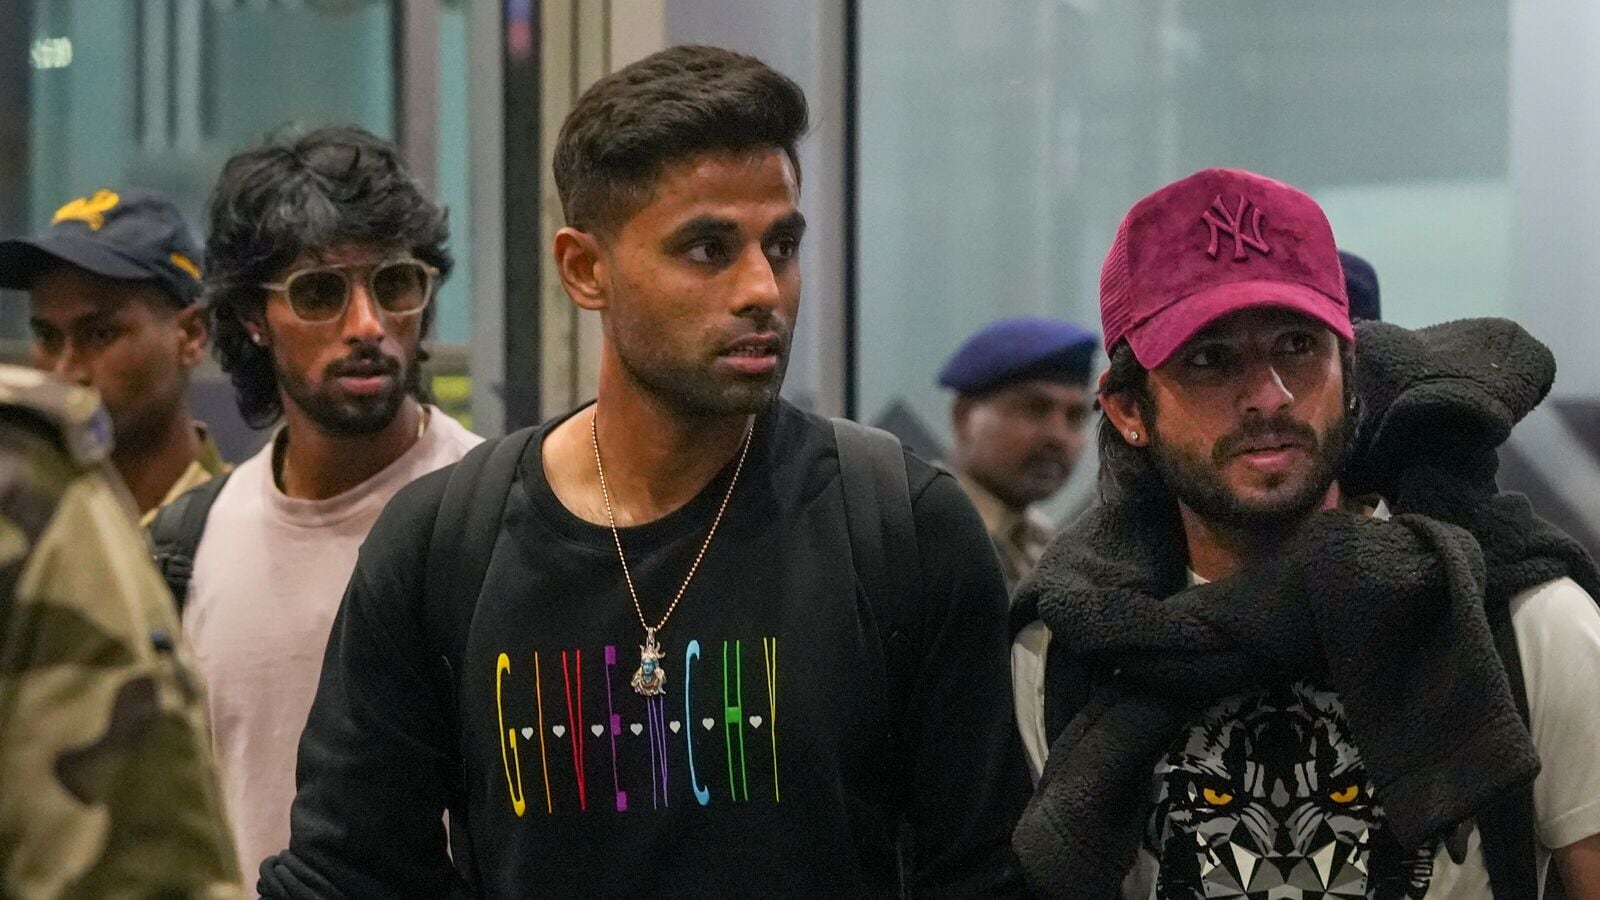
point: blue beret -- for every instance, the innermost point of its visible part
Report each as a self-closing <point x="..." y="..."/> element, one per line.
<point x="1022" y="348"/>
<point x="1361" y="283"/>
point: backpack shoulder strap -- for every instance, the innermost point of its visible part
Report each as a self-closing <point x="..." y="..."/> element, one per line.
<point x="459" y="549"/>
<point x="1507" y="826"/>
<point x="464" y="533"/>
<point x="175" y="535"/>
<point x="883" y="541"/>
<point x="883" y="546"/>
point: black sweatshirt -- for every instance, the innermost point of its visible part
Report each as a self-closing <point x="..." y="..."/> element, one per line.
<point x="766" y="770"/>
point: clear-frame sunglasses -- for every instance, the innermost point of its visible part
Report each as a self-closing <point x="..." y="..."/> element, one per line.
<point x="400" y="287"/>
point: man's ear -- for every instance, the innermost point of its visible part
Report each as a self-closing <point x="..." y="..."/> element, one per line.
<point x="255" y="325"/>
<point x="960" y="408"/>
<point x="1124" y="413"/>
<point x="580" y="261"/>
<point x="194" y="331"/>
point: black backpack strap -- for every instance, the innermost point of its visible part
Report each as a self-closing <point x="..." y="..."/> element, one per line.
<point x="883" y="546"/>
<point x="175" y="535"/>
<point x="883" y="541"/>
<point x="463" y="538"/>
<point x="1507" y="827"/>
<point x="459" y="549"/>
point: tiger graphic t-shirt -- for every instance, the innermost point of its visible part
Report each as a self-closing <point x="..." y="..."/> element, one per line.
<point x="1265" y="794"/>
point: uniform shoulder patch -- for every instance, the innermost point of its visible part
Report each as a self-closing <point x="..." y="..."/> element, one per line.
<point x="71" y="414"/>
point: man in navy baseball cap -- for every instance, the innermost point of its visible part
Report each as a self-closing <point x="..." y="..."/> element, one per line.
<point x="1022" y="396"/>
<point x="114" y="302"/>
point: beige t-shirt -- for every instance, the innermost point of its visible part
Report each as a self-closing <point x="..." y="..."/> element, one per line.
<point x="1557" y="628"/>
<point x="268" y="577"/>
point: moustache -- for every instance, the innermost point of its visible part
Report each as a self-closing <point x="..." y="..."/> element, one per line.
<point x="1279" y="429"/>
<point x="765" y="323"/>
<point x="363" y="364"/>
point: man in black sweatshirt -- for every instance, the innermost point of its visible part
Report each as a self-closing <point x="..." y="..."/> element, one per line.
<point x="677" y="677"/>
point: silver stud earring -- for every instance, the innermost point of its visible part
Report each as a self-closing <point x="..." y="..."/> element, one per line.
<point x="256" y="337"/>
<point x="1133" y="435"/>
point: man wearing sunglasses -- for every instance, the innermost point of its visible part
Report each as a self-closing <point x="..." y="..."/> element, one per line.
<point x="323" y="260"/>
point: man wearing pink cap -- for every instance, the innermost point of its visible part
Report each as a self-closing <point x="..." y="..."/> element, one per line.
<point x="1237" y="680"/>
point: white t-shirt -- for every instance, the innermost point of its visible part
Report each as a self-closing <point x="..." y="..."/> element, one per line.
<point x="1557" y="627"/>
<point x="268" y="577"/>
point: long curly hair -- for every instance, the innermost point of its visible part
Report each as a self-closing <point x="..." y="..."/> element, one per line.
<point x="299" y="193"/>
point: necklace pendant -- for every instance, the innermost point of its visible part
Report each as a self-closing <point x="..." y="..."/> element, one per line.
<point x="650" y="680"/>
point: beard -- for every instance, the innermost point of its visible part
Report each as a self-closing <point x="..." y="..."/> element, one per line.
<point x="1198" y="481"/>
<point x="694" y="386"/>
<point x="354" y="415"/>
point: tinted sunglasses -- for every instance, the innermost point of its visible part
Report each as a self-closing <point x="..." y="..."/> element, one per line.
<point x="400" y="287"/>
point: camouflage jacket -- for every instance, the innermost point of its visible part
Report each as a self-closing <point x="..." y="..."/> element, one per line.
<point x="107" y="783"/>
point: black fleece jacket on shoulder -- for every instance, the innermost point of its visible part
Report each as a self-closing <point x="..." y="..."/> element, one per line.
<point x="1408" y="618"/>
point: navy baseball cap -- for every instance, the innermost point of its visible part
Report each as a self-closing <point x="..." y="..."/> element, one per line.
<point x="130" y="235"/>
<point x="1361" y="283"/>
<point x="1019" y="349"/>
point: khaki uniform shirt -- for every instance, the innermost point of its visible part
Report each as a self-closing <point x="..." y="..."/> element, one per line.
<point x="108" y="787"/>
<point x="1019" y="538"/>
<point x="207" y="463"/>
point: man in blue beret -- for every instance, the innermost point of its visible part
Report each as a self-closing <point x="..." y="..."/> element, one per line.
<point x="1022" y="396"/>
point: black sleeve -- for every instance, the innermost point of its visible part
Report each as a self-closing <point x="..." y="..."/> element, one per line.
<point x="377" y="750"/>
<point x="969" y="778"/>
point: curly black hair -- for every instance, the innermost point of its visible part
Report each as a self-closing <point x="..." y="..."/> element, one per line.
<point x="665" y="108"/>
<point x="297" y="193"/>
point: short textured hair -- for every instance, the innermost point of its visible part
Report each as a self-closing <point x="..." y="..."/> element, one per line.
<point x="668" y="107"/>
<point x="293" y="194"/>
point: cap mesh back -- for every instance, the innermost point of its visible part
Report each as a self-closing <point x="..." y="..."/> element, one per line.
<point x="1116" y="290"/>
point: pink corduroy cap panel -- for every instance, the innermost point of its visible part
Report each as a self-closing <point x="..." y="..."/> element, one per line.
<point x="1217" y="242"/>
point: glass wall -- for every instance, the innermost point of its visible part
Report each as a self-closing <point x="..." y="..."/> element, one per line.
<point x="454" y="324"/>
<point x="1001" y="143"/>
<point x="160" y="92"/>
<point x="452" y="329"/>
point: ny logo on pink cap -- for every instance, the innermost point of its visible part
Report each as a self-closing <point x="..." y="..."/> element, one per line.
<point x="1163" y="280"/>
<point x="1231" y="222"/>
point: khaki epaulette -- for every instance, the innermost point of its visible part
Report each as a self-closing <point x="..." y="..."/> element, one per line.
<point x="79" y="422"/>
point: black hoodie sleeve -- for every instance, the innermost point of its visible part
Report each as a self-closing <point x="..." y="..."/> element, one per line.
<point x="377" y="750"/>
<point x="969" y="779"/>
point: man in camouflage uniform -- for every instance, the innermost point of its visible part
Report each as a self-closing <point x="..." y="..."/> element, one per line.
<point x="107" y="785"/>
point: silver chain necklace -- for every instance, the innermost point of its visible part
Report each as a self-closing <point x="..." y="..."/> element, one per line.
<point x="650" y="679"/>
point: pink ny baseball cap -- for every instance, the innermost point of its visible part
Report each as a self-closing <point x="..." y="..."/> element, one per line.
<point x="1212" y="244"/>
